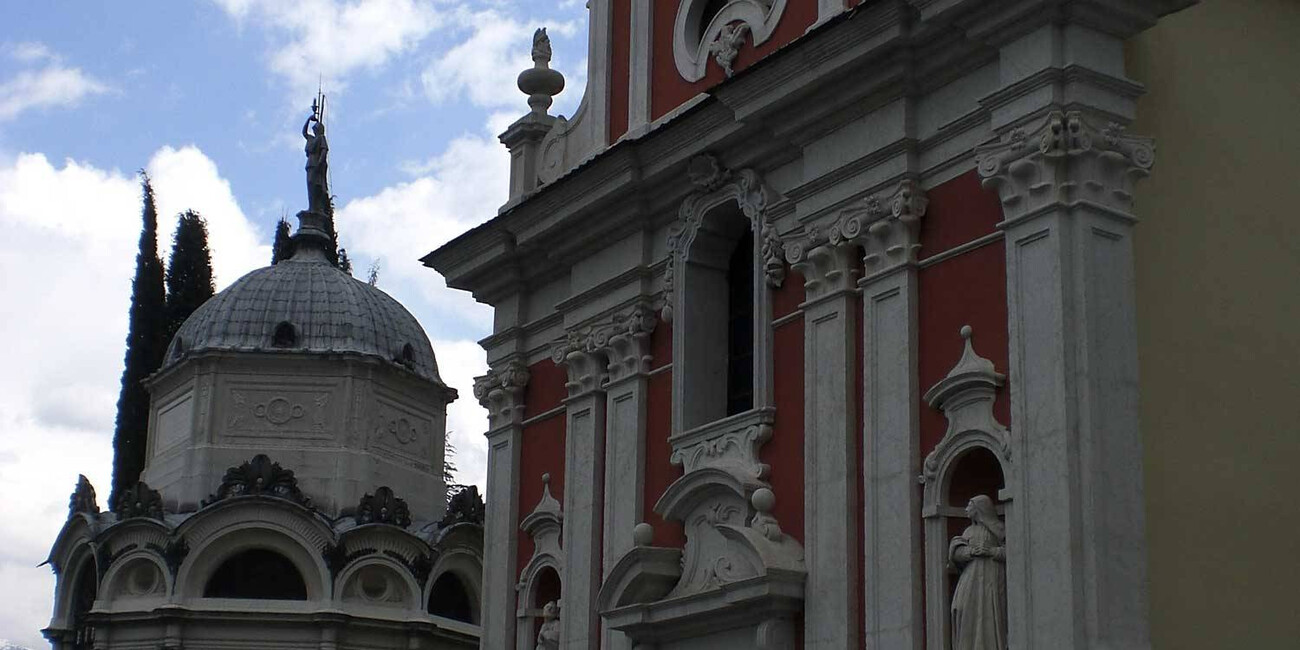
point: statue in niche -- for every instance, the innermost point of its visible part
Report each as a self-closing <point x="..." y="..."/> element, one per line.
<point x="548" y="636"/>
<point x="979" y="603"/>
<point x="317" y="148"/>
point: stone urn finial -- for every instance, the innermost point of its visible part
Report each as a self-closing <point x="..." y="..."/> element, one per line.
<point x="540" y="82"/>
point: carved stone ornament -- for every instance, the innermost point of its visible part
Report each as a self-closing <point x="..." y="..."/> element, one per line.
<point x="889" y="237"/>
<point x="383" y="507"/>
<point x="548" y="633"/>
<point x="716" y="185"/>
<point x="1065" y="160"/>
<point x="966" y="397"/>
<point x="726" y="46"/>
<point x="259" y="477"/>
<point x="695" y="41"/>
<point x="979" y="602"/>
<point x="139" y="500"/>
<point x="540" y="82"/>
<point x="83" y="498"/>
<point x="611" y="349"/>
<point x="773" y="258"/>
<point x="545" y="526"/>
<point x="731" y="445"/>
<point x="465" y="506"/>
<point x="501" y="392"/>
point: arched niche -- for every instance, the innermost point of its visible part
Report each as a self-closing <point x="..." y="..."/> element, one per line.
<point x="539" y="580"/>
<point x="456" y="569"/>
<point x="268" y="542"/>
<point x="138" y="576"/>
<point x="256" y="573"/>
<point x="377" y="581"/>
<point x="973" y="458"/>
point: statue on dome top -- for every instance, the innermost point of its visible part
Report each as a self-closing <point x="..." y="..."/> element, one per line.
<point x="541" y="45"/>
<point x="317" y="149"/>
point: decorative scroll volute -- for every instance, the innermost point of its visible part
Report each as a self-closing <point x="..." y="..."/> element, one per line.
<point x="1065" y="160"/>
<point x="501" y="392"/>
<point x="889" y="236"/>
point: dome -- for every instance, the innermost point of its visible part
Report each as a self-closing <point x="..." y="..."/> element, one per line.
<point x="306" y="305"/>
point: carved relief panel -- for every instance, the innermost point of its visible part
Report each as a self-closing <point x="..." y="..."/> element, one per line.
<point x="294" y="411"/>
<point x="402" y="433"/>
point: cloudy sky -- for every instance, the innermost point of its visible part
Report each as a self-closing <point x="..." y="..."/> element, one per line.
<point x="209" y="97"/>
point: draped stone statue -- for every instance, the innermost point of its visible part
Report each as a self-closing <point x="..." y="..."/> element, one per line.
<point x="548" y="636"/>
<point x="317" y="148"/>
<point x="979" y="604"/>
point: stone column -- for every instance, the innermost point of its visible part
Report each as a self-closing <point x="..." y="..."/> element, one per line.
<point x="501" y="392"/>
<point x="626" y="344"/>
<point x="1064" y="169"/>
<point x="584" y="483"/>
<point x="830" y="444"/>
<point x="891" y="525"/>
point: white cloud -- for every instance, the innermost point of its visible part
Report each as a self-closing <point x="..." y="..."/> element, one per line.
<point x="54" y="85"/>
<point x="333" y="38"/>
<point x="68" y="255"/>
<point x="186" y="179"/>
<point x="29" y="52"/>
<point x="484" y="67"/>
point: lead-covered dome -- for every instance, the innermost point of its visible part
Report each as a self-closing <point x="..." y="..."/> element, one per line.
<point x="306" y="305"/>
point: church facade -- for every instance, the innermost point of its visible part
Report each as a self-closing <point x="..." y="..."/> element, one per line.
<point x="819" y="325"/>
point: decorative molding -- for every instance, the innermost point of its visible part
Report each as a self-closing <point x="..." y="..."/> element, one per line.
<point x="966" y="397"/>
<point x="890" y="237"/>
<point x="1065" y="160"/>
<point x="716" y="184"/>
<point x="139" y="500"/>
<point x="694" y="43"/>
<point x="259" y="477"/>
<point x="82" y="499"/>
<point x="383" y="507"/>
<point x="501" y="392"/>
<point x="731" y="445"/>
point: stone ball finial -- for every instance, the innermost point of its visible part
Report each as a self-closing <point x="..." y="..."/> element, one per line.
<point x="643" y="534"/>
<point x="966" y="332"/>
<point x="546" y="478"/>
<point x="763" y="499"/>
<point x="540" y="82"/>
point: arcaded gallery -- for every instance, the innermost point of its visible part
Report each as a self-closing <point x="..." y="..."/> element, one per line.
<point x="820" y="324"/>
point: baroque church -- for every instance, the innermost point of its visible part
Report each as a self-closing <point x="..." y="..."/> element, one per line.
<point x="821" y="324"/>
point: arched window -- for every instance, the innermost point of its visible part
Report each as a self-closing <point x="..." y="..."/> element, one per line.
<point x="285" y="336"/>
<point x="256" y="573"/>
<point x="450" y="599"/>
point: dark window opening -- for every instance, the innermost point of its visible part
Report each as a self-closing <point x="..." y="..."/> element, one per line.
<point x="408" y="355"/>
<point x="285" y="335"/>
<point x="711" y="10"/>
<point x="83" y="599"/>
<point x="740" y="326"/>
<point x="257" y="573"/>
<point x="450" y="599"/>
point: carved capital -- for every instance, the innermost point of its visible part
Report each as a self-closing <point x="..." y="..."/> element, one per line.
<point x="1064" y="161"/>
<point x="889" y="236"/>
<point x="826" y="267"/>
<point x="501" y="392"/>
<point x="625" y="342"/>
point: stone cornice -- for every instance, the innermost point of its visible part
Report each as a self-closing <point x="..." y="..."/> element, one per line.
<point x="1064" y="161"/>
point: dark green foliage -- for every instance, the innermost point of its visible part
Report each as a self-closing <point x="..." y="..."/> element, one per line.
<point x="449" y="469"/>
<point x="333" y="252"/>
<point x="282" y="247"/>
<point x="189" y="272"/>
<point x="145" y="345"/>
<point x="345" y="264"/>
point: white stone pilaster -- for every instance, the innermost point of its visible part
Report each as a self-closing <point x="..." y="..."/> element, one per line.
<point x="1077" y="556"/>
<point x="641" y="56"/>
<point x="502" y="393"/>
<point x="830" y="444"/>
<point x="584" y="482"/>
<point x="826" y="10"/>
<point x="891" y="525"/>
<point x="626" y="344"/>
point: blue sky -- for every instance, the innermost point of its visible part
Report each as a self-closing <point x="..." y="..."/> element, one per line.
<point x="209" y="96"/>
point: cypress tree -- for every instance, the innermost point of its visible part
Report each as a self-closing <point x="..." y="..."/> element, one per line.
<point x="189" y="272"/>
<point x="335" y="253"/>
<point x="144" y="351"/>
<point x="282" y="247"/>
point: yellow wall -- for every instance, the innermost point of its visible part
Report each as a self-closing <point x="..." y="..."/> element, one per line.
<point x="1218" y="291"/>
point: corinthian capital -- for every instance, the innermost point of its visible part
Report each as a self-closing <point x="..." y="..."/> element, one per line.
<point x="583" y="361"/>
<point x="1066" y="160"/>
<point x="625" y="341"/>
<point x="501" y="392"/>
